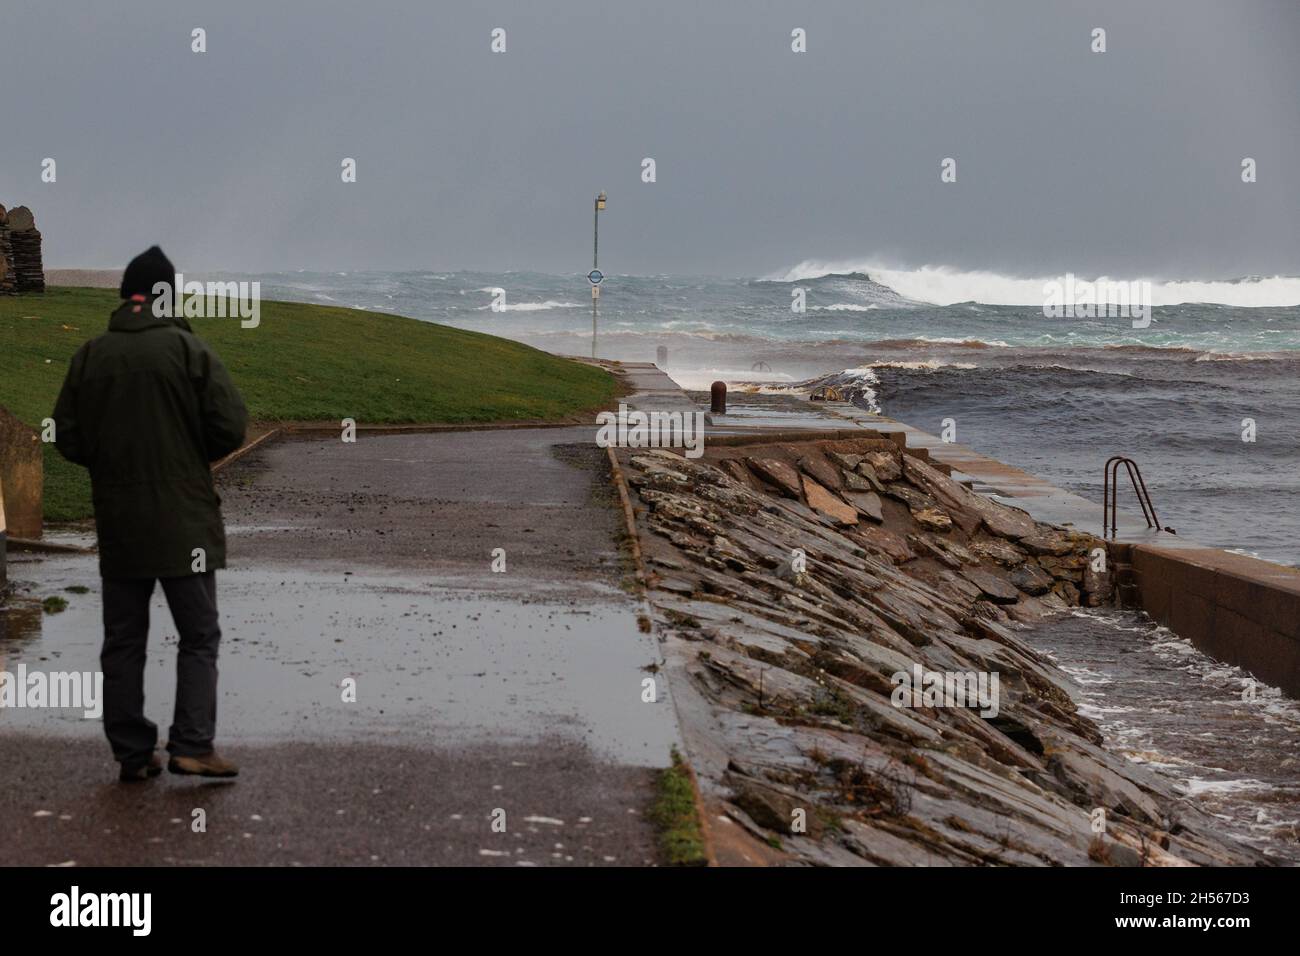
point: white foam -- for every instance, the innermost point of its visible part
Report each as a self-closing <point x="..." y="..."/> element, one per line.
<point x="1195" y="786"/>
<point x="942" y="285"/>
<point x="532" y="306"/>
<point x="700" y="379"/>
<point x="930" y="364"/>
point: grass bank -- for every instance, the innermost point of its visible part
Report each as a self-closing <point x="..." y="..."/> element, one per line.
<point x="302" y="363"/>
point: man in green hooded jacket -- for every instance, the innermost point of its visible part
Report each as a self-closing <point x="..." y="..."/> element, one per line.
<point x="146" y="407"/>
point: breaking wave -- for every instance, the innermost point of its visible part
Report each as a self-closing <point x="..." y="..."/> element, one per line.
<point x="941" y="285"/>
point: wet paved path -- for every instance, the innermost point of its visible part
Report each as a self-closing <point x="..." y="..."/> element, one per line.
<point x="476" y="691"/>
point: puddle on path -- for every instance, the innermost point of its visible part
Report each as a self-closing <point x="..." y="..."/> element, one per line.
<point x="436" y="663"/>
<point x="1163" y="703"/>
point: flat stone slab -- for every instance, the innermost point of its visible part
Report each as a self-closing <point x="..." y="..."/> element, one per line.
<point x="867" y="502"/>
<point x="778" y="473"/>
<point x="823" y="502"/>
<point x="991" y="585"/>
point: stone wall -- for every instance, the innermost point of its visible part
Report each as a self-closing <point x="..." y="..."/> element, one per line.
<point x="6" y="256"/>
<point x="22" y="472"/>
<point x="21" y="267"/>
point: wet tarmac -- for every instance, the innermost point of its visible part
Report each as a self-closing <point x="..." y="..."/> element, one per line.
<point x="338" y="804"/>
<point x="434" y="661"/>
<point x="429" y="503"/>
<point x="374" y="562"/>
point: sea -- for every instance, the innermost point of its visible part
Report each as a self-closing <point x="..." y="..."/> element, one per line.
<point x="1206" y="398"/>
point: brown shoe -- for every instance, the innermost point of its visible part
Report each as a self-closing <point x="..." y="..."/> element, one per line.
<point x="137" y="772"/>
<point x="208" y="765"/>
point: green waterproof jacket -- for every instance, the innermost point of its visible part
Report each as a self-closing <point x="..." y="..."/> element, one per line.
<point x="146" y="407"/>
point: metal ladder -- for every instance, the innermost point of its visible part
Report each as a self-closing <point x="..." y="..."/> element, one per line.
<point x="1109" y="506"/>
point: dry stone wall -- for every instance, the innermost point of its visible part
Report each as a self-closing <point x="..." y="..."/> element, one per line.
<point x="21" y="267"/>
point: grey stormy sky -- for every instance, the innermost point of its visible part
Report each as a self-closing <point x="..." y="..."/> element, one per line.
<point x="1126" y="162"/>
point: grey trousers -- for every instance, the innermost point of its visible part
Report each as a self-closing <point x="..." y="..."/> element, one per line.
<point x="193" y="603"/>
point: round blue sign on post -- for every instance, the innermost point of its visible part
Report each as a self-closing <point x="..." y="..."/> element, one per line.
<point x="595" y="276"/>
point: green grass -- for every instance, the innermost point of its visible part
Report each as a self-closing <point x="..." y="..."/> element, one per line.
<point x="302" y="363"/>
<point x="673" y="814"/>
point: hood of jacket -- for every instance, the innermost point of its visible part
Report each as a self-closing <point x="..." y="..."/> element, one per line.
<point x="138" y="317"/>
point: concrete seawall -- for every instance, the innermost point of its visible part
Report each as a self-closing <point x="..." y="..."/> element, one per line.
<point x="1235" y="608"/>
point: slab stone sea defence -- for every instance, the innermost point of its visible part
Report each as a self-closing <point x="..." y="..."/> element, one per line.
<point x="654" y="466"/>
<point x="991" y="586"/>
<point x="1003" y="552"/>
<point x="1032" y="579"/>
<point x="736" y="469"/>
<point x="915" y="500"/>
<point x="1066" y="591"/>
<point x="771" y="805"/>
<point x="1067" y="567"/>
<point x="932" y="519"/>
<point x="967" y="508"/>
<point x="823" y="502"/>
<point x="865" y="472"/>
<point x="855" y="482"/>
<point x="867" y="502"/>
<point x="1048" y="541"/>
<point x="1098" y="776"/>
<point x="779" y="473"/>
<point x="846" y="461"/>
<point x="926" y="546"/>
<point x="953" y="549"/>
<point x="785" y="632"/>
<point x="885" y="542"/>
<point x="822" y="471"/>
<point x="885" y="465"/>
<point x="950" y="581"/>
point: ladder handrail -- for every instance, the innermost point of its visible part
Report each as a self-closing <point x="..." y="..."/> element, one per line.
<point x="1139" y="488"/>
<point x="1110" y="493"/>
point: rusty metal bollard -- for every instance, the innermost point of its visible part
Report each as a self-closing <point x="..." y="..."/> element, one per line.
<point x="718" y="395"/>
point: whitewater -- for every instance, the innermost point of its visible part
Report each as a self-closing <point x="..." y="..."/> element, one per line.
<point x="940" y="285"/>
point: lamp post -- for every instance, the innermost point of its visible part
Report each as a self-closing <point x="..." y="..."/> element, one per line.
<point x="595" y="275"/>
